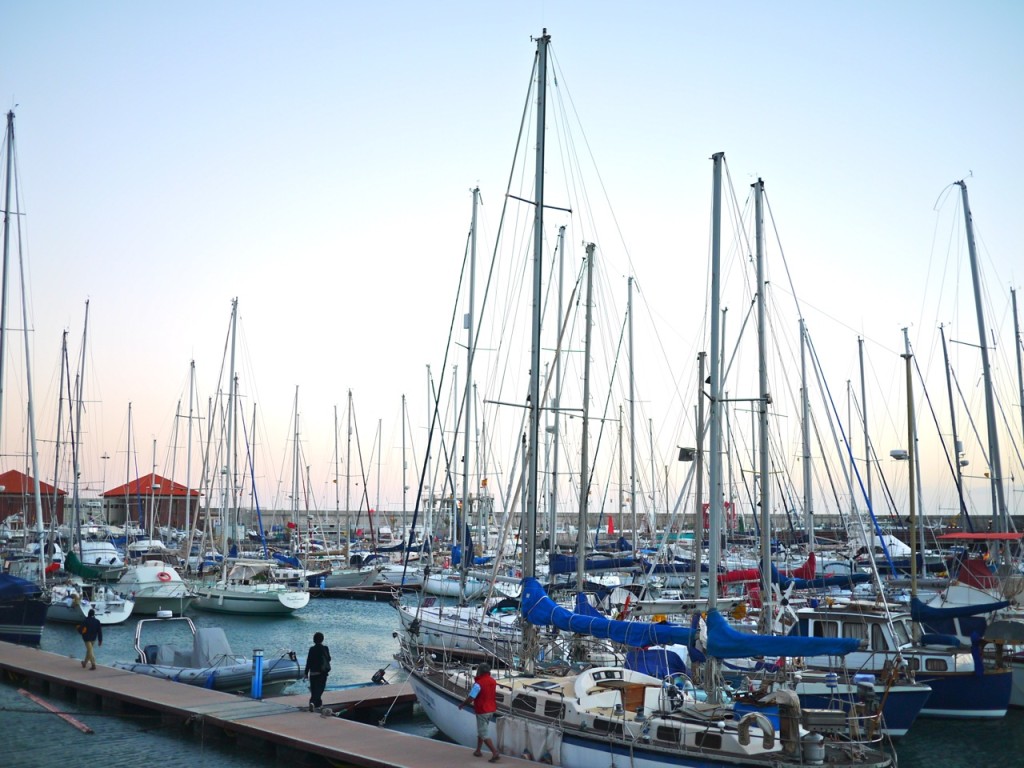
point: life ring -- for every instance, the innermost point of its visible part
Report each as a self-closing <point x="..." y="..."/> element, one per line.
<point x="164" y="576"/>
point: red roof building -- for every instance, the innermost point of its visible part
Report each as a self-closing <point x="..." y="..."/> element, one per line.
<point x="151" y="495"/>
<point x="17" y="497"/>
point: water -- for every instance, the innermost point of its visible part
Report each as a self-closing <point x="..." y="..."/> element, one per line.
<point x="360" y="637"/>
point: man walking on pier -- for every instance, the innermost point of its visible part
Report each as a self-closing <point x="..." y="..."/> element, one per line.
<point x="485" y="703"/>
<point x="318" y="666"/>
<point x="92" y="632"/>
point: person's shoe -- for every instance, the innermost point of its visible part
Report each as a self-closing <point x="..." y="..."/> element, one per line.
<point x="494" y="759"/>
<point x="478" y="753"/>
<point x="93" y="668"/>
<point x="311" y="707"/>
<point x="83" y="665"/>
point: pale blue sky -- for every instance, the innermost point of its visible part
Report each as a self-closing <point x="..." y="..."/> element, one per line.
<point x="314" y="159"/>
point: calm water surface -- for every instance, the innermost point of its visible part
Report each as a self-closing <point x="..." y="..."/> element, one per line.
<point x="360" y="637"/>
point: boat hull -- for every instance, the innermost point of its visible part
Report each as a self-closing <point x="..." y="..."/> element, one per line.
<point x="270" y="603"/>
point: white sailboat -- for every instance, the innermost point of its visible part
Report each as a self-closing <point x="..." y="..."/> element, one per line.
<point x="244" y="586"/>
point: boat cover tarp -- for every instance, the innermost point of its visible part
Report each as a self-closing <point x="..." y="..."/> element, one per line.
<point x="822" y="582"/>
<point x="209" y="646"/>
<point x="922" y="612"/>
<point x="287" y="560"/>
<point x="657" y="662"/>
<point x="73" y="564"/>
<point x="541" y="610"/>
<point x="724" y="642"/>
<point x="567" y="563"/>
<point x="13" y="587"/>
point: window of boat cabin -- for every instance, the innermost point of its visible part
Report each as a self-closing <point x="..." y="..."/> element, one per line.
<point x="707" y="740"/>
<point x="664" y="733"/>
<point x="878" y="641"/>
<point x="555" y="709"/>
<point x="855" y="629"/>
<point x="902" y="631"/>
<point x="826" y="629"/>
<point x="523" y="703"/>
<point x="936" y="665"/>
<point x="607" y="726"/>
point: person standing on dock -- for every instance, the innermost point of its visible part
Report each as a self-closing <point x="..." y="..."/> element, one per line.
<point x="485" y="703"/>
<point x="318" y="666"/>
<point x="92" y="632"/>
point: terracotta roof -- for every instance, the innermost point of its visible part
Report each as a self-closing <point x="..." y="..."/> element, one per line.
<point x="150" y="484"/>
<point x="17" y="483"/>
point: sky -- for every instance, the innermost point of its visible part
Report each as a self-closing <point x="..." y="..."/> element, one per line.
<point x="315" y="160"/>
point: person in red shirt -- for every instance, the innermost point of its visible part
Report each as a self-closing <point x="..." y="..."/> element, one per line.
<point x="484" y="700"/>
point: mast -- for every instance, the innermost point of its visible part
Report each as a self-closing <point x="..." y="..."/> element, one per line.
<point x="405" y="484"/>
<point x="870" y="542"/>
<point x="715" y="490"/>
<point x="632" y="417"/>
<point x="348" y="483"/>
<point x="467" y="405"/>
<point x="912" y="457"/>
<point x="999" y="515"/>
<point x="764" y="398"/>
<point x="957" y="445"/>
<point x="1017" y="344"/>
<point x="337" y="478"/>
<point x="805" y="405"/>
<point x="6" y="260"/>
<point x="556" y="438"/>
<point x="229" y="442"/>
<point x="188" y="458"/>
<point x="530" y="559"/>
<point x="581" y="532"/>
<point x="914" y="465"/>
<point x="698" y="499"/>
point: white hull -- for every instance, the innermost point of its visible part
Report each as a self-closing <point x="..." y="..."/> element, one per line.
<point x="448" y="585"/>
<point x="155" y="586"/>
<point x="251" y="601"/>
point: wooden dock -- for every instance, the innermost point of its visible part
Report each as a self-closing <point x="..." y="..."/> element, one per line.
<point x="283" y="724"/>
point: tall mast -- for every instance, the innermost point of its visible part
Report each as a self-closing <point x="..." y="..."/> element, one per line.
<point x="348" y="481"/>
<point x="805" y="405"/>
<point x="632" y="417"/>
<point x="556" y="437"/>
<point x="6" y="260"/>
<point x="698" y="499"/>
<point x="999" y="515"/>
<point x="870" y="543"/>
<point x="915" y="465"/>
<point x="188" y="457"/>
<point x="467" y="407"/>
<point x="715" y="490"/>
<point x="228" y="512"/>
<point x="1017" y="344"/>
<point x="405" y="484"/>
<point x="530" y="560"/>
<point x="912" y="457"/>
<point x="957" y="446"/>
<point x="581" y="533"/>
<point x="763" y="400"/>
<point x="337" y="478"/>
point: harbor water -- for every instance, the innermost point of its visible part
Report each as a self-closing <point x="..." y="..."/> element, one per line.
<point x="361" y="641"/>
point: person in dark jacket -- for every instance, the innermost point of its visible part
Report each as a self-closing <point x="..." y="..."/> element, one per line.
<point x="92" y="632"/>
<point x="318" y="666"/>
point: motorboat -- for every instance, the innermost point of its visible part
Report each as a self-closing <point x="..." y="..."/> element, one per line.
<point x="173" y="648"/>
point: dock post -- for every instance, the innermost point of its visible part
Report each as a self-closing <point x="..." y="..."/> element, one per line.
<point x="257" y="673"/>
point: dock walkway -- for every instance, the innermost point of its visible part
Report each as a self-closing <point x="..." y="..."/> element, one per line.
<point x="283" y="722"/>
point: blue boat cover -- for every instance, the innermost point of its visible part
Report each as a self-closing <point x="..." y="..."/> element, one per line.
<point x="541" y="610"/>
<point x="822" y="582"/>
<point x="724" y="642"/>
<point x="921" y="612"/>
<point x="567" y="563"/>
<point x="657" y="662"/>
<point x="287" y="560"/>
<point x="12" y="587"/>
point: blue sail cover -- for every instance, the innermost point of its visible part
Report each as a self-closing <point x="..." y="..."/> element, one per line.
<point x="287" y="560"/>
<point x="541" y="610"/>
<point x="567" y="563"/>
<point x="921" y="612"/>
<point x="724" y="642"/>
<point x="14" y="587"/>
<point x="822" y="582"/>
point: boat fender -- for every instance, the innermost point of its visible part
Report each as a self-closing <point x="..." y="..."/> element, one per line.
<point x="766" y="727"/>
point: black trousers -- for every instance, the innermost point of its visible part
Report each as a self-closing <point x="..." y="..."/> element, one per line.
<point x="317" y="683"/>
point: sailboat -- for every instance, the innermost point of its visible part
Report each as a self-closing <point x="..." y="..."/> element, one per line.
<point x="610" y="715"/>
<point x="245" y="586"/>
